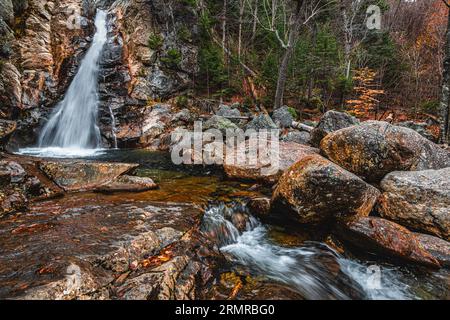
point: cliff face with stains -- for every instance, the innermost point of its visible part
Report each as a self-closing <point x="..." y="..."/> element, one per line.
<point x="150" y="55"/>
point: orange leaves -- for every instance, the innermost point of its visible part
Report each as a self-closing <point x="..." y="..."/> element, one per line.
<point x="154" y="261"/>
<point x="366" y="93"/>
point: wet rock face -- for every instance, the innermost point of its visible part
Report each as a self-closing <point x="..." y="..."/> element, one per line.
<point x="83" y="175"/>
<point x="440" y="249"/>
<point x="6" y="128"/>
<point x="145" y="59"/>
<point x="420" y="200"/>
<point x="43" y="53"/>
<point x="374" y="148"/>
<point x="331" y="121"/>
<point x="132" y="71"/>
<point x="386" y="237"/>
<point x="315" y="190"/>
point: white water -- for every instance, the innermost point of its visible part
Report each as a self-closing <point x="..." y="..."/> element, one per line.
<point x="301" y="268"/>
<point x="72" y="128"/>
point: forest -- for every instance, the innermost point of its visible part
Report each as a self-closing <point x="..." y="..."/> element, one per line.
<point x="316" y="56"/>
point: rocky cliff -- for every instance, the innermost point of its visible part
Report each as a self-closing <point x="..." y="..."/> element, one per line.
<point x="150" y="55"/>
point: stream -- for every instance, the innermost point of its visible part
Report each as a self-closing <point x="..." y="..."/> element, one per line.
<point x="268" y="262"/>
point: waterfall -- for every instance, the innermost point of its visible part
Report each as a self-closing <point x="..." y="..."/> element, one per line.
<point x="73" y="123"/>
<point x="113" y="126"/>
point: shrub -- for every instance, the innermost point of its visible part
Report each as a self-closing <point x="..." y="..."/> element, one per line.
<point x="182" y="102"/>
<point x="184" y="34"/>
<point x="293" y="113"/>
<point x="155" y="41"/>
<point x="431" y="107"/>
<point x="173" y="58"/>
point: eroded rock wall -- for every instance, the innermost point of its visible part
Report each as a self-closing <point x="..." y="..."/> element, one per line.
<point x="42" y="43"/>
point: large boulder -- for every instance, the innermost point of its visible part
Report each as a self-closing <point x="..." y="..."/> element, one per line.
<point x="282" y="117"/>
<point x="259" y="207"/>
<point x="315" y="190"/>
<point x="219" y="123"/>
<point x="440" y="249"/>
<point x="83" y="175"/>
<point x="259" y="170"/>
<point x="420" y="127"/>
<point x="331" y="121"/>
<point x="261" y="122"/>
<point x="382" y="236"/>
<point x="420" y="200"/>
<point x="301" y="137"/>
<point x="229" y="112"/>
<point x="375" y="148"/>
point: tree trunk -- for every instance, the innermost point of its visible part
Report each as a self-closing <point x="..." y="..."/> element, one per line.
<point x="445" y="102"/>
<point x="289" y="50"/>
<point x="255" y="21"/>
<point x="241" y="21"/>
<point x="282" y="76"/>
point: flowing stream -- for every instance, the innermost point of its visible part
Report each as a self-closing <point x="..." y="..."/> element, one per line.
<point x="313" y="269"/>
<point x="274" y="262"/>
<point x="72" y="129"/>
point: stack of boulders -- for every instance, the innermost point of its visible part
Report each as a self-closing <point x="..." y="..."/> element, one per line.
<point x="381" y="187"/>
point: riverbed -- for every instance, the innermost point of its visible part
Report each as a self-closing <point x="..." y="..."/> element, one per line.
<point x="254" y="259"/>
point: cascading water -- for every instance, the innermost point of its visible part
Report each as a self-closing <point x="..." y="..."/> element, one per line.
<point x="72" y="129"/>
<point x="305" y="269"/>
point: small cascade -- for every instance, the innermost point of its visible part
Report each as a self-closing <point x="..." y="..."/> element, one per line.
<point x="307" y="269"/>
<point x="113" y="127"/>
<point x="72" y="128"/>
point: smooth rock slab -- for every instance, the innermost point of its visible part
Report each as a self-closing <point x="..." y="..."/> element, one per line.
<point x="102" y="235"/>
<point x="419" y="200"/>
<point x="386" y="237"/>
<point x="127" y="183"/>
<point x="315" y="190"/>
<point x="83" y="175"/>
<point x="375" y="148"/>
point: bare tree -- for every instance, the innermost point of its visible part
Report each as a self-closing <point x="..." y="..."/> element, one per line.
<point x="285" y="18"/>
<point x="350" y="11"/>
